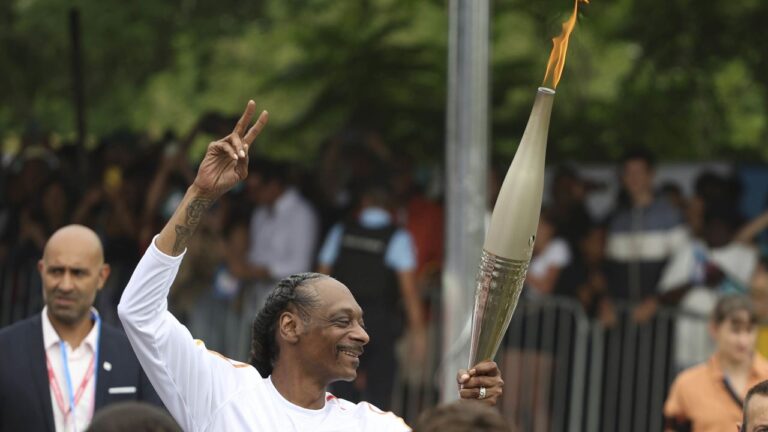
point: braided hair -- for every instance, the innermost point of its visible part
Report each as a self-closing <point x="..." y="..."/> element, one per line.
<point x="264" y="347"/>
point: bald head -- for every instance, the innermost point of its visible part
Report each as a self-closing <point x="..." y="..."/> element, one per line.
<point x="73" y="271"/>
<point x="75" y="237"/>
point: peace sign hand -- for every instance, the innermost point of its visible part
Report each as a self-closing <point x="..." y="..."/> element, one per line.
<point x="226" y="160"/>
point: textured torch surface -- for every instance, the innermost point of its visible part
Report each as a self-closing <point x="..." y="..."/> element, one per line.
<point x="499" y="284"/>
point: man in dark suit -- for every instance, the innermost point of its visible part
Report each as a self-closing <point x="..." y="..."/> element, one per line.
<point x="60" y="366"/>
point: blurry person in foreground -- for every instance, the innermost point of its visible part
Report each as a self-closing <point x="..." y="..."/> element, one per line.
<point x="710" y="396"/>
<point x="755" y="409"/>
<point x="462" y="416"/>
<point x="133" y="417"/>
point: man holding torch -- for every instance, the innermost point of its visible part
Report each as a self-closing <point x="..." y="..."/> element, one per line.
<point x="309" y="334"/>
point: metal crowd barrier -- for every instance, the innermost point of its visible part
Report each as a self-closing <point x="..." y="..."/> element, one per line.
<point x="566" y="372"/>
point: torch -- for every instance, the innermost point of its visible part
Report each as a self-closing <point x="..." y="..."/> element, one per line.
<point x="512" y="232"/>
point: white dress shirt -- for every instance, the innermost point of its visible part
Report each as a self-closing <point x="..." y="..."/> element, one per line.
<point x="79" y="359"/>
<point x="205" y="391"/>
<point x="283" y="236"/>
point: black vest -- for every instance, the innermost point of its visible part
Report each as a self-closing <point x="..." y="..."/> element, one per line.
<point x="362" y="268"/>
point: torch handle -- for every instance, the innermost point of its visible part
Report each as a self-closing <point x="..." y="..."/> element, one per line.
<point x="499" y="284"/>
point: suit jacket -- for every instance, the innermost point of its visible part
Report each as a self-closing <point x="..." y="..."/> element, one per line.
<point x="25" y="397"/>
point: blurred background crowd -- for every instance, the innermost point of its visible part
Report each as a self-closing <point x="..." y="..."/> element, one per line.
<point x="655" y="260"/>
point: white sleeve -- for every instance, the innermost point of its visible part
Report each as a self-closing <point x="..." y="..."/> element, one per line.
<point x="678" y="270"/>
<point x="191" y="381"/>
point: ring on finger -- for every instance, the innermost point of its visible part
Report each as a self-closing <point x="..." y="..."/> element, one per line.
<point x="482" y="394"/>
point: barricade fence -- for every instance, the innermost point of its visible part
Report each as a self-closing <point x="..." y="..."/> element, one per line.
<point x="566" y="372"/>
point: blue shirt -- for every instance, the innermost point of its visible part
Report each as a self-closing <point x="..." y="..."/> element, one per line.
<point x="400" y="254"/>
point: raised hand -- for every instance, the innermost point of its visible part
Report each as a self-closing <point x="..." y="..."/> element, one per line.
<point x="226" y="160"/>
<point x="225" y="163"/>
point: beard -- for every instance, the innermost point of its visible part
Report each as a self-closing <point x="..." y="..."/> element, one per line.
<point x="68" y="314"/>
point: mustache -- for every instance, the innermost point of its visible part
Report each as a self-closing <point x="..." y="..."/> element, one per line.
<point x="57" y="294"/>
<point x="356" y="349"/>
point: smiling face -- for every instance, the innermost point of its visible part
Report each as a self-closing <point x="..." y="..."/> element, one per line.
<point x="72" y="271"/>
<point x="333" y="338"/>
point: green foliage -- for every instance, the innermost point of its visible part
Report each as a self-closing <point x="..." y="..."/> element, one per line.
<point x="686" y="78"/>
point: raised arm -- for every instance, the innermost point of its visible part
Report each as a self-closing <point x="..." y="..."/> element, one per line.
<point x="225" y="164"/>
<point x="191" y="381"/>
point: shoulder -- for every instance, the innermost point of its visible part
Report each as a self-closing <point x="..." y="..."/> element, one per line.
<point x="113" y="333"/>
<point x="691" y="378"/>
<point x="400" y="234"/>
<point x="369" y="416"/>
<point x="664" y="214"/>
<point x="20" y="329"/>
<point x="297" y="202"/>
<point x="559" y="248"/>
<point x="761" y="366"/>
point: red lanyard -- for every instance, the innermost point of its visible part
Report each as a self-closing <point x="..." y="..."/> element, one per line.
<point x="80" y="390"/>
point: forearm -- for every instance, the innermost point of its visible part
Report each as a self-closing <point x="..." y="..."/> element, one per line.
<point x="752" y="229"/>
<point x="181" y="227"/>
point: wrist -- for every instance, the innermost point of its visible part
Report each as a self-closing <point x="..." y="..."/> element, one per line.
<point x="194" y="191"/>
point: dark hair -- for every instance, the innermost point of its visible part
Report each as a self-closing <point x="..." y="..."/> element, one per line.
<point x="269" y="170"/>
<point x="759" y="389"/>
<point x="639" y="153"/>
<point x="462" y="416"/>
<point x="377" y="191"/>
<point x="286" y="294"/>
<point x="132" y="417"/>
<point x="730" y="304"/>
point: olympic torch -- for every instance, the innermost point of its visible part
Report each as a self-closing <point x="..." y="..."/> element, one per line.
<point x="509" y="241"/>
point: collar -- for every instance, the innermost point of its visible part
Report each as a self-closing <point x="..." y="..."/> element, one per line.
<point x="374" y="217"/>
<point x="51" y="338"/>
<point x="292" y="406"/>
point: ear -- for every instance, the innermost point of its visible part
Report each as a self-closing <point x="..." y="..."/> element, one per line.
<point x="104" y="274"/>
<point x="739" y="428"/>
<point x="40" y="266"/>
<point x="289" y="327"/>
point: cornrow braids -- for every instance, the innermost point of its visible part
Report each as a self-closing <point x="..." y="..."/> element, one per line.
<point x="264" y="347"/>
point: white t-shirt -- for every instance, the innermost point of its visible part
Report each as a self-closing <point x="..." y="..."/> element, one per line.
<point x="205" y="391"/>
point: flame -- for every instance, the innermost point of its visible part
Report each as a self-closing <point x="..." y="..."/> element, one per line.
<point x="556" y="61"/>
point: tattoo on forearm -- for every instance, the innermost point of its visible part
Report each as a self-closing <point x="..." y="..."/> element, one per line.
<point x="182" y="236"/>
<point x="195" y="211"/>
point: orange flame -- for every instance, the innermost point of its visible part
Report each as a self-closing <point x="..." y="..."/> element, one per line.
<point x="556" y="61"/>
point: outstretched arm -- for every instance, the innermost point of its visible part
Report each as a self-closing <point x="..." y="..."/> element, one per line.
<point x="754" y="227"/>
<point x="191" y="381"/>
<point x="225" y="164"/>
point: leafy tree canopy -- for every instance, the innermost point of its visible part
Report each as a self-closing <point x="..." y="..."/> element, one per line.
<point x="688" y="79"/>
